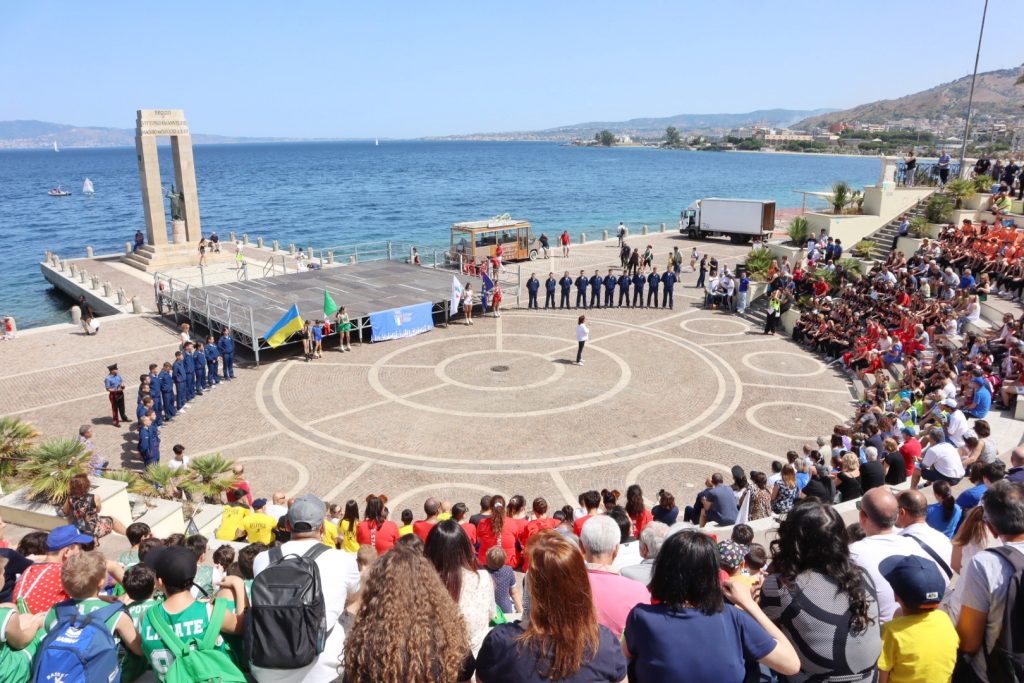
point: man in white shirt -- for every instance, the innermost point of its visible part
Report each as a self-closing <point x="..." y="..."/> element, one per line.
<point x="339" y="578"/>
<point x="179" y="461"/>
<point x="913" y="508"/>
<point x="278" y="508"/>
<point x="651" y="540"/>
<point x="956" y="422"/>
<point x="878" y="514"/>
<point x="940" y="461"/>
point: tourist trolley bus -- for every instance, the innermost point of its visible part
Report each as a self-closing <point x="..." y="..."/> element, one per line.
<point x="475" y="241"/>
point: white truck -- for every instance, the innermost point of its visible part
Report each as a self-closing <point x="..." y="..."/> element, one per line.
<point x="741" y="220"/>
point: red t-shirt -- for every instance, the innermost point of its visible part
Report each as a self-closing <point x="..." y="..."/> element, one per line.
<point x="470" y="530"/>
<point x="244" y="485"/>
<point x="422" y="528"/>
<point x="41" y="587"/>
<point x="565" y="238"/>
<point x="382" y="538"/>
<point x="911" y="452"/>
<point x="533" y="528"/>
<point x="577" y="525"/>
<point x="488" y="539"/>
<point x="640" y="521"/>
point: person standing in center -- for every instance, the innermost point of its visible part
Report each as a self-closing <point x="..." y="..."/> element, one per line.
<point x="668" y="281"/>
<point x="609" y="289"/>
<point x="566" y="286"/>
<point x="114" y="384"/>
<point x="582" y="335"/>
<point x="564" y="240"/>
<point x="595" y="290"/>
<point x="467" y="303"/>
<point x="532" y="287"/>
<point x="638" y="289"/>
<point x="624" y="288"/>
<point x="653" y="280"/>
<point x="581" y="290"/>
<point x="226" y="344"/>
<point x="549" y="291"/>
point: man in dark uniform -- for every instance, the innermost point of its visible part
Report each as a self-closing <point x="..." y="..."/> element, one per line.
<point x="549" y="291"/>
<point x="149" y="440"/>
<point x="154" y="392"/>
<point x="180" y="375"/>
<point x="653" y="280"/>
<point x="624" y="288"/>
<point x="595" y="290"/>
<point x="566" y="286"/>
<point x="167" y="392"/>
<point x="226" y="345"/>
<point x="199" y="360"/>
<point x="190" y="371"/>
<point x="668" y="281"/>
<point x="212" y="354"/>
<point x="638" y="289"/>
<point x="581" y="291"/>
<point x="532" y="287"/>
<point x="609" y="289"/>
<point x="114" y="384"/>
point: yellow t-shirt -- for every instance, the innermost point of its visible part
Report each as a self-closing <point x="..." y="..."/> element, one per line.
<point x="442" y="516"/>
<point x="231" y="521"/>
<point x="919" y="648"/>
<point x="259" y="528"/>
<point x="404" y="530"/>
<point x="349" y="543"/>
<point x="330" y="534"/>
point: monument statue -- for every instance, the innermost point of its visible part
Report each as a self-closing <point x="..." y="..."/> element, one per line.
<point x="176" y="199"/>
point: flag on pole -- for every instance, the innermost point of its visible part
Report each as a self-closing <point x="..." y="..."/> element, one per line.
<point x="453" y="307"/>
<point x="288" y="325"/>
<point x="488" y="284"/>
<point x="330" y="308"/>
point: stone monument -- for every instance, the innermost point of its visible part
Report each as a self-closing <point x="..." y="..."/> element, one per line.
<point x="184" y="199"/>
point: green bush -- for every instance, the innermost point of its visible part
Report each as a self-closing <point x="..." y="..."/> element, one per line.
<point x="850" y="265"/>
<point x="939" y="209"/>
<point x="799" y="231"/>
<point x="759" y="262"/>
<point x="863" y="248"/>
<point x="919" y="227"/>
<point x="983" y="184"/>
<point x="841" y="195"/>
<point x="958" y="190"/>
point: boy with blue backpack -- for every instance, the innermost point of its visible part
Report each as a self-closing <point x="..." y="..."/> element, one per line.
<point x="83" y="632"/>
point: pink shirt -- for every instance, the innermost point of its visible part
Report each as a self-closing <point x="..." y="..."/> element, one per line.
<point x="614" y="597"/>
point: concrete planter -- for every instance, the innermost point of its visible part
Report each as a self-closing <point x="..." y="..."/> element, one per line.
<point x="794" y="253"/>
<point x="908" y="246"/>
<point x="789" y="320"/>
<point x="976" y="201"/>
<point x="17" y="508"/>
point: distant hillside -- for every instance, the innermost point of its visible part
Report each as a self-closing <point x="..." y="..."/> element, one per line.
<point x="994" y="94"/>
<point x="36" y="134"/>
<point x="685" y="123"/>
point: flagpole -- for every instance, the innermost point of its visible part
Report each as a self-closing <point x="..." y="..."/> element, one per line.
<point x="970" y="99"/>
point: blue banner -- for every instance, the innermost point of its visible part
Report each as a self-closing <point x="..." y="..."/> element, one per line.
<point x="402" y="322"/>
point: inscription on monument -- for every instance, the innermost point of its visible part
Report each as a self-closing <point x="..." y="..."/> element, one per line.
<point x="161" y="122"/>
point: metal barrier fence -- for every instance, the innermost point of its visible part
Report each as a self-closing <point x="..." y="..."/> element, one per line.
<point x="926" y="174"/>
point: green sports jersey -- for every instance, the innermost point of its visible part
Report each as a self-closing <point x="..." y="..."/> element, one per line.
<point x="87" y="606"/>
<point x="132" y="665"/>
<point x="15" y="665"/>
<point x="188" y="624"/>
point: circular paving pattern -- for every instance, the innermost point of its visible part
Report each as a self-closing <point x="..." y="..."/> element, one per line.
<point x="711" y="327"/>
<point x="790" y="417"/>
<point x="784" y="363"/>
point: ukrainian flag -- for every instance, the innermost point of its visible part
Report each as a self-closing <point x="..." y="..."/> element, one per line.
<point x="288" y="325"/>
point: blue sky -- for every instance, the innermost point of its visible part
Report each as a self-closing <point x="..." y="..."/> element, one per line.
<point x="407" y="69"/>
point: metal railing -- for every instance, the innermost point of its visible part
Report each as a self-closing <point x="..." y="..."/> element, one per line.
<point x="926" y="174"/>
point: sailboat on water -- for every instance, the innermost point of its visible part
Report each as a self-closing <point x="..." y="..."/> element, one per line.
<point x="376" y="142"/>
<point x="55" y="148"/>
<point x="87" y="187"/>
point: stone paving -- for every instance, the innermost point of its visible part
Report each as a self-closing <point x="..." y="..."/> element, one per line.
<point x="665" y="398"/>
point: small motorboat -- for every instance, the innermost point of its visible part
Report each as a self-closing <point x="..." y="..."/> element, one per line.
<point x="58" y="192"/>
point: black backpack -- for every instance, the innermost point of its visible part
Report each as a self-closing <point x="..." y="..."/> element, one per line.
<point x="1005" y="663"/>
<point x="286" y="625"/>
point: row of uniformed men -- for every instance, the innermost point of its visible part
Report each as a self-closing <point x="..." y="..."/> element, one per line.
<point x="609" y="283"/>
<point x="166" y="391"/>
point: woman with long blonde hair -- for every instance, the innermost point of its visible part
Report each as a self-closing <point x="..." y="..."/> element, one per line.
<point x="562" y="640"/>
<point x="408" y="629"/>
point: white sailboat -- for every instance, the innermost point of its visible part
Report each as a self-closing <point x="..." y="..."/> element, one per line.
<point x="376" y="142"/>
<point x="55" y="148"/>
<point x="87" y="187"/>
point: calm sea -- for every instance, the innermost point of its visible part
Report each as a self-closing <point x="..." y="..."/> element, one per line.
<point x="326" y="194"/>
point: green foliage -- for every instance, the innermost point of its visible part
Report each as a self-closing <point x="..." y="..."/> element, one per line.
<point x="605" y="137"/>
<point x="958" y="190"/>
<point x="213" y="475"/>
<point x="919" y="227"/>
<point x="160" y="481"/>
<point x="759" y="262"/>
<point x="983" y="184"/>
<point x="804" y="146"/>
<point x="17" y="438"/>
<point x="129" y="477"/>
<point x="841" y="195"/>
<point x="863" y="248"/>
<point x="939" y="209"/>
<point x="799" y="231"/>
<point x="749" y="144"/>
<point x="672" y="136"/>
<point x="50" y="467"/>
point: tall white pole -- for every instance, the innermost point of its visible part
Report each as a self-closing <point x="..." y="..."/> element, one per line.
<point x="970" y="99"/>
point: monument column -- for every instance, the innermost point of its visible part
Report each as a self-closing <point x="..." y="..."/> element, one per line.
<point x="152" y="192"/>
<point x="185" y="182"/>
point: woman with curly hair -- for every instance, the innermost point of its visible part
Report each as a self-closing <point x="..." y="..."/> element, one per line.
<point x="820" y="599"/>
<point x="408" y="629"/>
<point x="448" y="549"/>
<point x="562" y="641"/>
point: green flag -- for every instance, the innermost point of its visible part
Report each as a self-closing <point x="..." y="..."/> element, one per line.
<point x="330" y="308"/>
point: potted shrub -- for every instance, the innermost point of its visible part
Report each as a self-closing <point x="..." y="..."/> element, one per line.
<point x="799" y="231"/>
<point x="759" y="262"/>
<point x="919" y="227"/>
<point x="841" y="196"/>
<point x="958" y="190"/>
<point x="212" y="475"/>
<point x="863" y="249"/>
<point x="939" y="209"/>
<point x="982" y="191"/>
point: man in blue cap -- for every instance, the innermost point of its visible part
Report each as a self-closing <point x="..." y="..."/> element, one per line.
<point x="114" y="385"/>
<point x="40" y="585"/>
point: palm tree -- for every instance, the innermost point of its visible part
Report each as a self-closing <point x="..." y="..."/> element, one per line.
<point x="959" y="189"/>
<point x="840" y="195"/>
<point x="50" y="467"/>
<point x="16" y="441"/>
<point x="160" y="481"/>
<point x="129" y="477"/>
<point x="213" y="474"/>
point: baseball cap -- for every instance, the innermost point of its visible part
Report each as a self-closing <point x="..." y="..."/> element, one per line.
<point x="307" y="513"/>
<point x="259" y="503"/>
<point x="949" y="402"/>
<point x="174" y="565"/>
<point x="915" y="580"/>
<point x="66" y="535"/>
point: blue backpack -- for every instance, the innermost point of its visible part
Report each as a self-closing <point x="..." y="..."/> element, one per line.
<point x="78" y="649"/>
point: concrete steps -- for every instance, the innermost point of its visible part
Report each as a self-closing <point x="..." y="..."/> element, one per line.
<point x="149" y="259"/>
<point x="883" y="237"/>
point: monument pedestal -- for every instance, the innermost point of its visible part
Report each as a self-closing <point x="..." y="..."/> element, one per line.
<point x="178" y="235"/>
